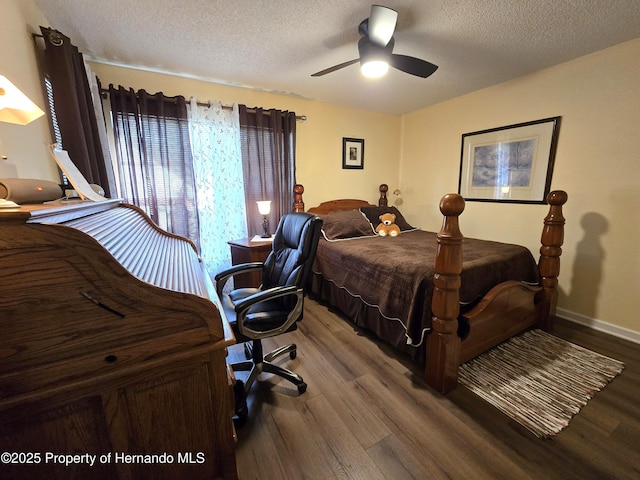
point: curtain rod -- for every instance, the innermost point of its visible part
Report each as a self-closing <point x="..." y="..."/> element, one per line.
<point x="300" y="118"/>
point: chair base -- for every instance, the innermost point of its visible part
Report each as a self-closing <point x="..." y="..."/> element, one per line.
<point x="262" y="363"/>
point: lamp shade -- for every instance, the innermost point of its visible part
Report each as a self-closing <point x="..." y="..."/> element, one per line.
<point x="264" y="207"/>
<point x="15" y="106"/>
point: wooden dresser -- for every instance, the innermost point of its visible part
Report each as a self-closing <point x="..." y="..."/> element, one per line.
<point x="113" y="345"/>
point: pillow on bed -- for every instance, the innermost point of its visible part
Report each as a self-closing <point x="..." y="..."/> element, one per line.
<point x="373" y="215"/>
<point x="346" y="224"/>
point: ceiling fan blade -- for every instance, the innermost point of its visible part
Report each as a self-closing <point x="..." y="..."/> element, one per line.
<point x="382" y="24"/>
<point x="412" y="65"/>
<point x="334" y="68"/>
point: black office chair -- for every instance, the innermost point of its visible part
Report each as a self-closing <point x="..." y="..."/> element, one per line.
<point x="277" y="305"/>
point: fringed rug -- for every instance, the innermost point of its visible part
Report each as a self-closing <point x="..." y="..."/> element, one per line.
<point x="539" y="380"/>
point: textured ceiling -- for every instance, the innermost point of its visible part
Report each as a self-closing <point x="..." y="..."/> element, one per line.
<point x="275" y="45"/>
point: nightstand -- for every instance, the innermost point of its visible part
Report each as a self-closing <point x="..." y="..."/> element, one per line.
<point x="245" y="250"/>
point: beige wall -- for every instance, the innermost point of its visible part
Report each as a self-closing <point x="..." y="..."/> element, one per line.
<point x="598" y="97"/>
<point x="25" y="146"/>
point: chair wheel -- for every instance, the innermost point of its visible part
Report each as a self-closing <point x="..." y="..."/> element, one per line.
<point x="240" y="417"/>
<point x="240" y="396"/>
<point x="302" y="388"/>
<point x="293" y="354"/>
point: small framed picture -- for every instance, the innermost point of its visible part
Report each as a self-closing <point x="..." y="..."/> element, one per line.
<point x="509" y="164"/>
<point x="353" y="153"/>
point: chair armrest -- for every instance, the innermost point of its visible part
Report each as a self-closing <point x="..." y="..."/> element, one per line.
<point x="264" y="295"/>
<point x="223" y="276"/>
<point x="242" y="307"/>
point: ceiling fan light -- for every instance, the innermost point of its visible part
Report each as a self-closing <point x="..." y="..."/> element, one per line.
<point x="374" y="68"/>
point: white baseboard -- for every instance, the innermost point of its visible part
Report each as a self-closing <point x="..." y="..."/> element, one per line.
<point x="615" y="330"/>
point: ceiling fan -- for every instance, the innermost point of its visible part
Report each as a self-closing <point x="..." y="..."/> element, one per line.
<point x="376" y="48"/>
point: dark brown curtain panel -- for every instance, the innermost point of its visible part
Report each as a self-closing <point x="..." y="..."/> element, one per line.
<point x="74" y="108"/>
<point x="154" y="160"/>
<point x="268" y="141"/>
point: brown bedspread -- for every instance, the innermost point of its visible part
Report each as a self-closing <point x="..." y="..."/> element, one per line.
<point x="395" y="275"/>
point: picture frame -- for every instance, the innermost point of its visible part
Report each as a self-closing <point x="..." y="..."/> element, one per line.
<point x="352" y="153"/>
<point x="510" y="164"/>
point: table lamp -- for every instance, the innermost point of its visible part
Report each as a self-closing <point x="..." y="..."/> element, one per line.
<point x="264" y="207"/>
<point x="15" y="106"/>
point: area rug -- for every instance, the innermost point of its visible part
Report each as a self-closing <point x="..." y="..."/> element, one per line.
<point x="539" y="380"/>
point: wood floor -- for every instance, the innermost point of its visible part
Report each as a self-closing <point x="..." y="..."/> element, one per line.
<point x="367" y="414"/>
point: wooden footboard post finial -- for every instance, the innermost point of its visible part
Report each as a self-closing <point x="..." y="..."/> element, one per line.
<point x="382" y="201"/>
<point x="298" y="204"/>
<point x="549" y="263"/>
<point x="443" y="343"/>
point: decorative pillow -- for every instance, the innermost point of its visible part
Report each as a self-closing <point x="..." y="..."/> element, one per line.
<point x="346" y="224"/>
<point x="373" y="215"/>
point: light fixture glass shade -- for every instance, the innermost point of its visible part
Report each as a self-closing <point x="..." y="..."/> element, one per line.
<point x="15" y="106"/>
<point x="374" y="68"/>
<point x="264" y="207"/>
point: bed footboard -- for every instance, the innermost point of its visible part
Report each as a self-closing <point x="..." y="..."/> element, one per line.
<point x="506" y="310"/>
<point x="443" y="343"/>
<point x="549" y="262"/>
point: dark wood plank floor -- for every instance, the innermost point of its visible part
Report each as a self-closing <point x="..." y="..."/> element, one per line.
<point x="367" y="414"/>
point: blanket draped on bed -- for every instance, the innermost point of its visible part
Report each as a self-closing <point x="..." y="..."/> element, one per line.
<point x="395" y="276"/>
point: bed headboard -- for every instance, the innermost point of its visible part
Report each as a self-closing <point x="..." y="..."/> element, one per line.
<point x="336" y="205"/>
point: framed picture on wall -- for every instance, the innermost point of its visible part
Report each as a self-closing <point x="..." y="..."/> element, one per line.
<point x="353" y="153"/>
<point x="509" y="164"/>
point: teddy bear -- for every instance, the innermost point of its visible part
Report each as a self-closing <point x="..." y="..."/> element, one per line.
<point x="388" y="227"/>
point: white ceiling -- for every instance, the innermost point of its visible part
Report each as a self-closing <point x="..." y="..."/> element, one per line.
<point x="275" y="45"/>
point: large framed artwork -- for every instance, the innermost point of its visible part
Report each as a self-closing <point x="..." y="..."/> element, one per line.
<point x="509" y="164"/>
<point x="353" y="153"/>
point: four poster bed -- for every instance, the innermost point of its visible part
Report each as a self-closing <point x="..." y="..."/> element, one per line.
<point x="442" y="299"/>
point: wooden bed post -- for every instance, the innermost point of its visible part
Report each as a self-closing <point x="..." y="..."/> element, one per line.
<point x="382" y="201"/>
<point x="549" y="263"/>
<point x="298" y="203"/>
<point x="443" y="343"/>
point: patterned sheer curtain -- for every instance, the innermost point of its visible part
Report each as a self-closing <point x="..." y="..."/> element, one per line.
<point x="217" y="160"/>
<point x="268" y="140"/>
<point x="153" y="158"/>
